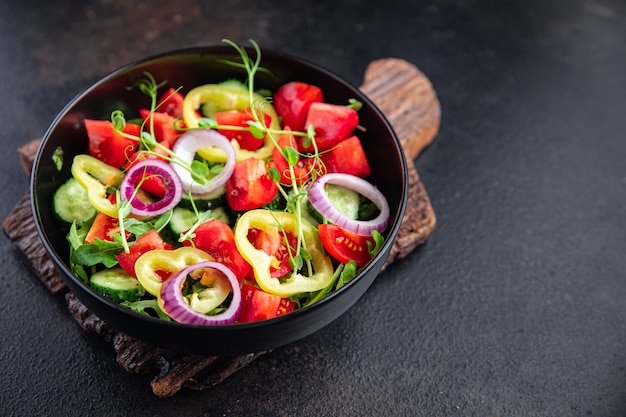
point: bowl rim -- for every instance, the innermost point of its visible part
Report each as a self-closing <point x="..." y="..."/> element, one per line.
<point x="222" y="50"/>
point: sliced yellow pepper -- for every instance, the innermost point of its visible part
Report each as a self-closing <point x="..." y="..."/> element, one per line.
<point x="268" y="221"/>
<point x="170" y="261"/>
<point x="95" y="177"/>
<point x="228" y="98"/>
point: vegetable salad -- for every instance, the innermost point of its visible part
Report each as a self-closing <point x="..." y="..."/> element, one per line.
<point x="224" y="204"/>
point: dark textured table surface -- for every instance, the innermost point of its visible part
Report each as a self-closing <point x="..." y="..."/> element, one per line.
<point x="516" y="304"/>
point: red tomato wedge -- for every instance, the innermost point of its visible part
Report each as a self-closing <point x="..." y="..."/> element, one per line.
<point x="218" y="240"/>
<point x="274" y="245"/>
<point x="250" y="186"/>
<point x="107" y="145"/>
<point x="164" y="130"/>
<point x="103" y="227"/>
<point x="347" y="157"/>
<point x="144" y="243"/>
<point x="343" y="245"/>
<point x="280" y="163"/>
<point x="259" y="305"/>
<point x="292" y="102"/>
<point x="241" y="118"/>
<point x="171" y="102"/>
<point x="332" y="124"/>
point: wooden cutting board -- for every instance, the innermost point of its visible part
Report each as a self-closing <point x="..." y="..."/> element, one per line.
<point x="408" y="100"/>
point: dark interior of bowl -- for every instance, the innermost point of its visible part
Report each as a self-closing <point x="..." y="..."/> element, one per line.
<point x="187" y="69"/>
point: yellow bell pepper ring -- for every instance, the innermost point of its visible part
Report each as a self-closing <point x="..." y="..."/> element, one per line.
<point x="228" y="98"/>
<point x="268" y="221"/>
<point x="95" y="177"/>
<point x="150" y="263"/>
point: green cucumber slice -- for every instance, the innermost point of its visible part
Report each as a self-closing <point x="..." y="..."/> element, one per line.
<point x="71" y="204"/>
<point x="116" y="284"/>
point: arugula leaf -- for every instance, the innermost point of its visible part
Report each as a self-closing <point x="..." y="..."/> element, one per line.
<point x="98" y="252"/>
<point x="137" y="227"/>
<point x="378" y="243"/>
<point x="348" y="272"/>
<point x="145" y="307"/>
<point x="76" y="235"/>
<point x="163" y="220"/>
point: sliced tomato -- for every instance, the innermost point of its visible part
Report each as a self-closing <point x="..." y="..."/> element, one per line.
<point x="152" y="184"/>
<point x="218" y="240"/>
<point x="241" y="118"/>
<point x="259" y="305"/>
<point x="109" y="146"/>
<point x="276" y="246"/>
<point x="103" y="227"/>
<point x="250" y="186"/>
<point x="344" y="245"/>
<point x="144" y="243"/>
<point x="280" y="163"/>
<point x="164" y="126"/>
<point x="332" y="123"/>
<point x="292" y="102"/>
<point x="347" y="157"/>
<point x="171" y="102"/>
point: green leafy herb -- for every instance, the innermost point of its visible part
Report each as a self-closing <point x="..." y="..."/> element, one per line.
<point x="199" y="171"/>
<point x="137" y="227"/>
<point x="118" y="120"/>
<point x="163" y="220"/>
<point x="378" y="243"/>
<point x="348" y="272"/>
<point x="355" y="104"/>
<point x="99" y="252"/>
<point x="57" y="158"/>
<point x="147" y="308"/>
<point x="291" y="155"/>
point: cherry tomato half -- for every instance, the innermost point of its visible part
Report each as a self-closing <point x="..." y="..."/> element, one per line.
<point x="259" y="305"/>
<point x="344" y="245"/>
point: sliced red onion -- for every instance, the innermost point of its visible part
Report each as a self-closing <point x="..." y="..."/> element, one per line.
<point x="176" y="306"/>
<point x="319" y="199"/>
<point x="152" y="167"/>
<point x="186" y="147"/>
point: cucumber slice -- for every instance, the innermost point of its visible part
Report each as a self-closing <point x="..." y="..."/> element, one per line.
<point x="71" y="204"/>
<point x="206" y="201"/>
<point x="346" y="201"/>
<point x="182" y="220"/>
<point x="117" y="284"/>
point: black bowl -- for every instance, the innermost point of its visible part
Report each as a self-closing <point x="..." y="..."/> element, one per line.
<point x="189" y="68"/>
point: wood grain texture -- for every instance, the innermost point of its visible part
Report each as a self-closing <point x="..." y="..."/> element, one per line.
<point x="407" y="99"/>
